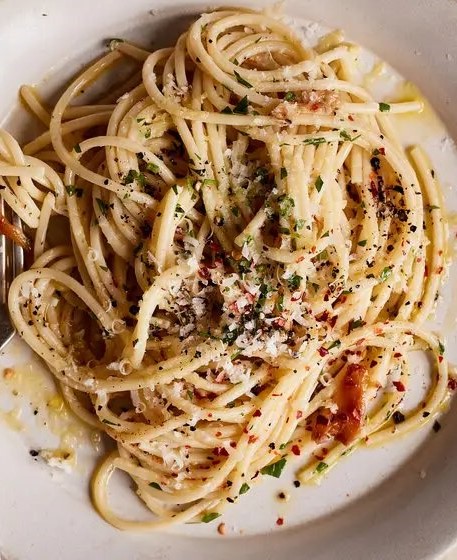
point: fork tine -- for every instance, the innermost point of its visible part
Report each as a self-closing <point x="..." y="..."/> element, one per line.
<point x="18" y="251"/>
<point x="2" y="259"/>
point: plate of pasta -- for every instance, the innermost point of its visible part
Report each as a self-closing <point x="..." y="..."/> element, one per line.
<point x="235" y="326"/>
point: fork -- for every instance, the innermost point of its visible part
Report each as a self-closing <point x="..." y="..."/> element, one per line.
<point x="11" y="264"/>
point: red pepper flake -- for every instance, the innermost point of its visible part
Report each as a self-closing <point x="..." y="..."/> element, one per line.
<point x="218" y="434"/>
<point x="257" y="413"/>
<point x="252" y="439"/>
<point x="440" y="359"/>
<point x="350" y="117"/>
<point x="399" y="386"/>
<point x="323" y="351"/>
<point x="214" y="245"/>
<point x="295" y="450"/>
<point x="280" y="521"/>
<point x="397" y="355"/>
<point x="204" y="273"/>
<point x="299" y="414"/>
<point x="233" y="444"/>
<point x="452" y="384"/>
<point x="439" y="270"/>
<point x="220" y="452"/>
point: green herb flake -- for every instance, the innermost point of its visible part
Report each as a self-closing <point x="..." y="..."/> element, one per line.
<point x="152" y="167"/>
<point x="294" y="281"/>
<point x="334" y="344"/>
<point x="274" y="469"/>
<point x="283" y="172"/>
<point x="319" y="184"/>
<point x="102" y="206"/>
<point x="384" y="107"/>
<point x="210" y="516"/>
<point x="440" y="348"/>
<point x="109" y="422"/>
<point x="290" y="96"/>
<point x="210" y="183"/>
<point x="386" y="272"/>
<point x="286" y="203"/>
<point x="241" y="80"/>
<point x="362" y="243"/>
<point x="314" y="141"/>
<point x="322" y="256"/>
<point x="72" y="190"/>
<point x="321" y="467"/>
<point x="155" y="485"/>
<point x="355" y="324"/>
<point x="280" y="303"/>
<point x="242" y="106"/>
<point x="244" y="488"/>
<point x="77" y="148"/>
<point x="348" y="137"/>
<point x="227" y="111"/>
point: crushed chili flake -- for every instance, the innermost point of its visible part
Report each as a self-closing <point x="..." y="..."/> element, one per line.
<point x="299" y="414"/>
<point x="220" y="452"/>
<point x="280" y="521"/>
<point x="295" y="450"/>
<point x="252" y="439"/>
<point x="452" y="384"/>
<point x="257" y="413"/>
<point x="399" y="386"/>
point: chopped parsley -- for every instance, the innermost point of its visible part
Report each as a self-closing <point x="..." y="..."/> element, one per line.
<point x="362" y="243"/>
<point x="294" y="281"/>
<point x="134" y="175"/>
<point x="321" y="467"/>
<point x="244" y="488"/>
<point x="384" y="107"/>
<point x="155" y="485"/>
<point x="286" y="203"/>
<point x="109" y="422"/>
<point x="275" y="469"/>
<point x="210" y="516"/>
<point x="290" y="96"/>
<point x="283" y="172"/>
<point x="386" y="272"/>
<point x="241" y="80"/>
<point x="102" y="206"/>
<point x="314" y="141"/>
<point x="319" y="184"/>
<point x="242" y="106"/>
<point x="72" y="190"/>
<point x="152" y="167"/>
<point x="348" y="137"/>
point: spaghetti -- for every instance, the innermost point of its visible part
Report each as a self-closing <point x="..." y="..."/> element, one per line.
<point x="250" y="257"/>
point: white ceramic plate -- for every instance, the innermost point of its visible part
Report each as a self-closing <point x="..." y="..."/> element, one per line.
<point x="393" y="502"/>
